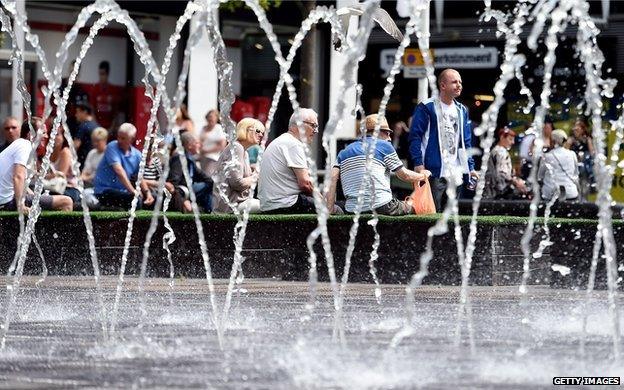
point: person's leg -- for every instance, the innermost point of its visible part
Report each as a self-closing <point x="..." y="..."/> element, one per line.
<point x="92" y="201"/>
<point x="254" y="206"/>
<point x="10" y="206"/>
<point x="438" y="190"/>
<point x="52" y="202"/>
<point x="203" y="194"/>
<point x="395" y="208"/>
<point x="74" y="194"/>
<point x="304" y="205"/>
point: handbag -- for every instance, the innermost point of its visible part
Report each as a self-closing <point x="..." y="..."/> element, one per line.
<point x="422" y="199"/>
<point x="573" y="180"/>
<point x="57" y="184"/>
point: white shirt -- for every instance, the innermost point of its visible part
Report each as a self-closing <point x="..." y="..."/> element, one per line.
<point x="92" y="161"/>
<point x="278" y="186"/>
<point x="450" y="136"/>
<point x="559" y="169"/>
<point x="211" y="139"/>
<point x="16" y="153"/>
<point x="525" y="145"/>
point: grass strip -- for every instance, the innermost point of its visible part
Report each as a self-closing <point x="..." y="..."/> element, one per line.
<point x="310" y="218"/>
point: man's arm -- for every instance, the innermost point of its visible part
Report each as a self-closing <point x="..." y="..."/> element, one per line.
<point x="331" y="193"/>
<point x="19" y="178"/>
<point x="149" y="199"/>
<point x="411" y="176"/>
<point x="420" y="125"/>
<point x="123" y="178"/>
<point x="303" y="180"/>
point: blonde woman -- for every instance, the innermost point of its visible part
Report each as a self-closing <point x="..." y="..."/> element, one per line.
<point x="235" y="177"/>
<point x="95" y="155"/>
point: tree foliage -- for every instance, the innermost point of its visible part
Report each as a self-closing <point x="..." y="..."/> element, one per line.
<point x="234" y="5"/>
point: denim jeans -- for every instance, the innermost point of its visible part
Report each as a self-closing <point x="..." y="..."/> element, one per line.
<point x="203" y="194"/>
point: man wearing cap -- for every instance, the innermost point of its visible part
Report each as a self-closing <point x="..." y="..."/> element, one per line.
<point x="500" y="180"/>
<point x="350" y="168"/>
<point x="440" y="137"/>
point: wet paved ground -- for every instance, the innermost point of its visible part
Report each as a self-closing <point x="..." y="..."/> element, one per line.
<point x="274" y="342"/>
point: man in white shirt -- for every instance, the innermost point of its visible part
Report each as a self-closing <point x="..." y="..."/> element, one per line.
<point x="285" y="185"/>
<point x="13" y="173"/>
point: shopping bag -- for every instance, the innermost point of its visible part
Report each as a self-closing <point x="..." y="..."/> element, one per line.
<point x="422" y="199"/>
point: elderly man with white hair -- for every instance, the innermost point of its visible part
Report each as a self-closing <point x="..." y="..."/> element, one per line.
<point x="285" y="186"/>
<point x="559" y="170"/>
<point x="118" y="169"/>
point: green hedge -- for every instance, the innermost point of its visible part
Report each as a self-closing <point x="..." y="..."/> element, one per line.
<point x="464" y="219"/>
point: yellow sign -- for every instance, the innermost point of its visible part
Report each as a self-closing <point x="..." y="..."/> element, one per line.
<point x="413" y="57"/>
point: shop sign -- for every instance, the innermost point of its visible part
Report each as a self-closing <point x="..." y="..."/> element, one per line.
<point x="450" y="57"/>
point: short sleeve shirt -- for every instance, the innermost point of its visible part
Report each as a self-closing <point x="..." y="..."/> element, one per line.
<point x="17" y="153"/>
<point x="352" y="164"/>
<point x="278" y="186"/>
<point x="106" y="178"/>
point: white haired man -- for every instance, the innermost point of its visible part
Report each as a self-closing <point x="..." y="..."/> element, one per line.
<point x="118" y="168"/>
<point x="285" y="186"/>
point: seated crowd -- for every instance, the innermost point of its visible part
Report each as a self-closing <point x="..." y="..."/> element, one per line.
<point x="220" y="175"/>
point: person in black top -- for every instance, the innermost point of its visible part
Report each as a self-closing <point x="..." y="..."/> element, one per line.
<point x="82" y="141"/>
<point x="202" y="184"/>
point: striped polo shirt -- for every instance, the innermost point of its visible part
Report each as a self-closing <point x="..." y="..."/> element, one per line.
<point x="352" y="163"/>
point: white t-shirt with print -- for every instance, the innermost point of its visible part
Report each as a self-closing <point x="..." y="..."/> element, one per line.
<point x="277" y="186"/>
<point x="450" y="133"/>
<point x="16" y="153"/>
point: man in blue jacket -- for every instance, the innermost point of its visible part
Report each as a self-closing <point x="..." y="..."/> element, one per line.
<point x="440" y="138"/>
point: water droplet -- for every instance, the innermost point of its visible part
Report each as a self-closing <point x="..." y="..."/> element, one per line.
<point x="562" y="269"/>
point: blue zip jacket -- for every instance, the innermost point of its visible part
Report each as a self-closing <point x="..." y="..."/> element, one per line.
<point x="424" y="138"/>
